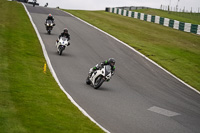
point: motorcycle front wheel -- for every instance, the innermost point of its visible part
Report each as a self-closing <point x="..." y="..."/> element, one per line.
<point x="60" y="50"/>
<point x="49" y="31"/>
<point x="98" y="82"/>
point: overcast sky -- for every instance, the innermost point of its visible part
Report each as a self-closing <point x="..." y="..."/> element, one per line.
<point x="101" y="4"/>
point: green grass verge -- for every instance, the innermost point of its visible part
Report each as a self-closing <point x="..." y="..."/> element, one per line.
<point x="176" y="51"/>
<point x="193" y="18"/>
<point x="31" y="101"/>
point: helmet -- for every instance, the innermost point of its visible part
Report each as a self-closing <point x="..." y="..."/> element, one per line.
<point x="111" y="61"/>
<point x="65" y="30"/>
<point x="50" y="15"/>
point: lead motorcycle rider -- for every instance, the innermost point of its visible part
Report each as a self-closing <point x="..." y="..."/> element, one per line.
<point x="110" y="61"/>
<point x="50" y="17"/>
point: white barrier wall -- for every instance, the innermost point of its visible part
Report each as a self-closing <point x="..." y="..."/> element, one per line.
<point x="115" y="11"/>
<point x="120" y="11"/>
<point x="157" y="19"/>
<point x="136" y="14"/>
<point x="142" y="16"/>
<point x="166" y="22"/>
<point x="198" y="30"/>
<point x="176" y="24"/>
<point x="149" y="18"/>
<point x="125" y="11"/>
<point x="187" y="27"/>
<point x="129" y="14"/>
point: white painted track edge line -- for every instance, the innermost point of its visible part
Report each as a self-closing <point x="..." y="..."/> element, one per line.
<point x="136" y="52"/>
<point x="55" y="76"/>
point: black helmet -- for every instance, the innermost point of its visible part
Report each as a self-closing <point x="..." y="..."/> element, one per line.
<point x="65" y="30"/>
<point x="111" y="61"/>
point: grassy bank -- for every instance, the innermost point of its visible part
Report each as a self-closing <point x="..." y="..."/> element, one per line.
<point x="30" y="100"/>
<point x="176" y="51"/>
<point x="193" y="18"/>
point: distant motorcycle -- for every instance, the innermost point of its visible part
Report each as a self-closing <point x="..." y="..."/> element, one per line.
<point x="46" y="5"/>
<point x="62" y="44"/>
<point x="99" y="76"/>
<point x="34" y="3"/>
<point x="49" y="26"/>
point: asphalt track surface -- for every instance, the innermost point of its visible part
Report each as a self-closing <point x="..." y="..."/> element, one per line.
<point x="140" y="98"/>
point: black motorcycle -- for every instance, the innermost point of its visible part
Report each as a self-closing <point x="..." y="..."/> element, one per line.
<point x="49" y="26"/>
<point x="34" y="3"/>
<point x="46" y="5"/>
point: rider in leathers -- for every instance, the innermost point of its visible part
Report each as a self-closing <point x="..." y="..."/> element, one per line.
<point x="66" y="34"/>
<point x="50" y="17"/>
<point x="110" y="61"/>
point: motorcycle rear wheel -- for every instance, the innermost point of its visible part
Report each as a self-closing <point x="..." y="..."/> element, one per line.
<point x="60" y="52"/>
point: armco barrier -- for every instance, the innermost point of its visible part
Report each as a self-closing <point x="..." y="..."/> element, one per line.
<point x="182" y="26"/>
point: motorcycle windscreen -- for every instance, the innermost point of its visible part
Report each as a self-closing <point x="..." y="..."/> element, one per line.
<point x="64" y="38"/>
<point x="49" y="21"/>
<point x="107" y="69"/>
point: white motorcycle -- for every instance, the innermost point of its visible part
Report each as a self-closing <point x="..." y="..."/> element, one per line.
<point x="62" y="44"/>
<point x="99" y="76"/>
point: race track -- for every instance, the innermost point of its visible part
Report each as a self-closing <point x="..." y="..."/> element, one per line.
<point x="140" y="98"/>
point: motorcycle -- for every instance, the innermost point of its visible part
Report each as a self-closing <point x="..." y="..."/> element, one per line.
<point x="62" y="44"/>
<point x="46" y="5"/>
<point x="34" y="3"/>
<point x="49" y="26"/>
<point x="99" y="76"/>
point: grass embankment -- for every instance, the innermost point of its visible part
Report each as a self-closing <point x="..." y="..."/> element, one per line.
<point x="31" y="101"/>
<point x="176" y="51"/>
<point x="193" y="18"/>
